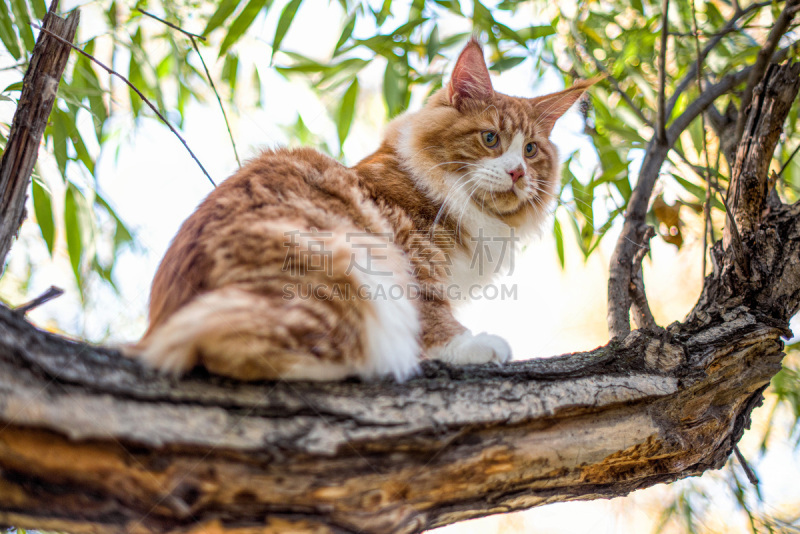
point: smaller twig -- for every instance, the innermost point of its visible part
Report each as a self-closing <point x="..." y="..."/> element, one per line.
<point x="137" y="91"/>
<point x="738" y="247"/>
<point x="788" y="161"/>
<point x="661" y="132"/>
<point x="219" y="99"/>
<point x="171" y="25"/>
<point x="639" y="306"/>
<point x="50" y="294"/>
<point x="191" y="37"/>
<point x="751" y="476"/>
<point x="706" y="177"/>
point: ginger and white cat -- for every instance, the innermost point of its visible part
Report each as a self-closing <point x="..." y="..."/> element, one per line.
<point x="298" y="267"/>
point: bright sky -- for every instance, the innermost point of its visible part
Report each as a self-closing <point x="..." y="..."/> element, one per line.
<point x="155" y="185"/>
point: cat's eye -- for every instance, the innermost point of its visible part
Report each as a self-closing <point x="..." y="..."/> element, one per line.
<point x="490" y="138"/>
<point x="531" y="149"/>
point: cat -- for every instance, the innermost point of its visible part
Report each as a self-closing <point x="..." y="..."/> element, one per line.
<point x="300" y="268"/>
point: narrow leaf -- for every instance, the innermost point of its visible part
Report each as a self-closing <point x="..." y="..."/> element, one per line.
<point x="285" y="20"/>
<point x="23" y="23"/>
<point x="242" y="23"/>
<point x="74" y="233"/>
<point x="225" y="10"/>
<point x="347" y="31"/>
<point x="559" y="235"/>
<point x="43" y="208"/>
<point x="344" y="118"/>
<point x="7" y="35"/>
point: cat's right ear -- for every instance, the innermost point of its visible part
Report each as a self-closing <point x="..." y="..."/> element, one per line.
<point x="470" y="79"/>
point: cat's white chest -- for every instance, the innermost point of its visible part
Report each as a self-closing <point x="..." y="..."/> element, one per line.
<point x="490" y="253"/>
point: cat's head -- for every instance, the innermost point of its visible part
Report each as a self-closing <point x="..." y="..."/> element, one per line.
<point x="473" y="145"/>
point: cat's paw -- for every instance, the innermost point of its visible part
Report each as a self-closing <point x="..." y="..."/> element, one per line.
<point x="466" y="349"/>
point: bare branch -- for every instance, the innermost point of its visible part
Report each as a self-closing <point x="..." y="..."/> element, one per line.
<point x="751" y="476"/>
<point x="707" y="176"/>
<point x="144" y="98"/>
<point x="788" y="160"/>
<point x="661" y="132"/>
<point x="780" y="27"/>
<point x="219" y="99"/>
<point x="639" y="305"/>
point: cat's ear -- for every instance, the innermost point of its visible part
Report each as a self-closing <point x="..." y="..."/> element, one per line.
<point x="470" y="79"/>
<point x="550" y="108"/>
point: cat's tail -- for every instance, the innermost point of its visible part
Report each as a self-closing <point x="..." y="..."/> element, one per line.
<point x="322" y="325"/>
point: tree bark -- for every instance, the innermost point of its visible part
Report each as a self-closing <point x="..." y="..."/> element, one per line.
<point x="39" y="88"/>
<point x="92" y="442"/>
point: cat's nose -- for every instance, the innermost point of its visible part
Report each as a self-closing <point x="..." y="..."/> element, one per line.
<point x="516" y="174"/>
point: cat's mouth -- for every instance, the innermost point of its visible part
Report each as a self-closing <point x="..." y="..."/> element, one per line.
<point x="502" y="202"/>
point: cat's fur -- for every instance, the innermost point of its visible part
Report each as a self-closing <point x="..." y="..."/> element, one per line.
<point x="290" y="268"/>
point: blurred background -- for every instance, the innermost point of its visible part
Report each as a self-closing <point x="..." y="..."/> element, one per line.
<point x="113" y="184"/>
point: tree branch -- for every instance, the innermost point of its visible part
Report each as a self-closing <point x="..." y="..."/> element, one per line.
<point x="88" y="438"/>
<point x="39" y="88"/>
<point x="661" y="131"/>
<point x="763" y="58"/>
<point x="619" y="271"/>
<point x="748" y="191"/>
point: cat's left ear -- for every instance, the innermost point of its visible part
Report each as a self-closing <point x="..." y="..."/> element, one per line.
<point x="470" y="79"/>
<point x="550" y="108"/>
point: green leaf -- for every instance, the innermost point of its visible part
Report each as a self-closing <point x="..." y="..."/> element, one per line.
<point x="384" y="13"/>
<point x="74" y="231"/>
<point x="230" y="70"/>
<point x="347" y="31"/>
<point x="39" y="8"/>
<point x="506" y="63"/>
<point x="344" y="118"/>
<point x="285" y="20"/>
<point x="60" y="134"/>
<point x="7" y="35"/>
<point x="242" y="23"/>
<point x="16" y="86"/>
<point x="23" y="23"/>
<point x="43" y="208"/>
<point x="395" y="86"/>
<point x="225" y="10"/>
<point x="559" y="235"/>
<point x="433" y="45"/>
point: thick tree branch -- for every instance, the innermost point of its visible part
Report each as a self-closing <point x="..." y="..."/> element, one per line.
<point x="39" y="88"/>
<point x="763" y="60"/>
<point x="89" y="439"/>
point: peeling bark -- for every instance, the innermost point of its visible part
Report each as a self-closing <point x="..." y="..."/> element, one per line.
<point x="92" y="442"/>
